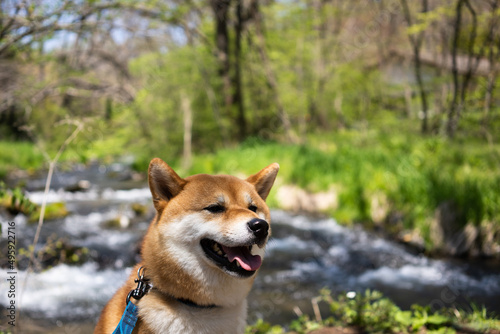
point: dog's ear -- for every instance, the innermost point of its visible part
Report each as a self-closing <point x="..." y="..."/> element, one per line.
<point x="164" y="183"/>
<point x="264" y="180"/>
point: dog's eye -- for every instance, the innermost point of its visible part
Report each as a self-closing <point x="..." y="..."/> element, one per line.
<point x="215" y="208"/>
<point x="252" y="208"/>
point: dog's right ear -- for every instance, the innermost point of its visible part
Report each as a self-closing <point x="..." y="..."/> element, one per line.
<point x="164" y="183"/>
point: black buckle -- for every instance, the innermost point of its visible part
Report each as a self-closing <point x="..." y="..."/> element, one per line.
<point x="143" y="286"/>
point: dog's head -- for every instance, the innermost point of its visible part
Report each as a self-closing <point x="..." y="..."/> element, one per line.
<point x="209" y="229"/>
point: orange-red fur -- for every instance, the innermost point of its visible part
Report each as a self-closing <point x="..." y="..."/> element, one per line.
<point x="175" y="200"/>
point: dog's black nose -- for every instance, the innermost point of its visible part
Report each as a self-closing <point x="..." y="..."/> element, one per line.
<point x="259" y="227"/>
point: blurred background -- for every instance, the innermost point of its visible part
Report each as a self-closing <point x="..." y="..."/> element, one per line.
<point x="384" y="116"/>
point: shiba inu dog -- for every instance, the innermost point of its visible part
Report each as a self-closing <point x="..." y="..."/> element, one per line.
<point x="200" y="253"/>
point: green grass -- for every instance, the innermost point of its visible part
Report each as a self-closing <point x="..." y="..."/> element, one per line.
<point x="19" y="155"/>
<point x="371" y="312"/>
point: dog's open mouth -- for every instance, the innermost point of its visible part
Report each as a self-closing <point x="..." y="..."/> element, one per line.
<point x="238" y="260"/>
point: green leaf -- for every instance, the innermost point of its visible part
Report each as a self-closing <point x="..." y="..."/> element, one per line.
<point x="442" y="330"/>
<point x="418" y="323"/>
<point x="404" y="317"/>
<point x="437" y="319"/>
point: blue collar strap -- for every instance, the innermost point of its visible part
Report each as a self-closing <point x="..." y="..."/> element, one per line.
<point x="128" y="320"/>
<point x="129" y="317"/>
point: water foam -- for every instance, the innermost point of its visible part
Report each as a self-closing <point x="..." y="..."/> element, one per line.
<point x="93" y="194"/>
<point x="60" y="195"/>
<point x="56" y="292"/>
<point x="355" y="258"/>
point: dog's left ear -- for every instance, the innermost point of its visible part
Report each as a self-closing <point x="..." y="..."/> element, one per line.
<point x="264" y="180"/>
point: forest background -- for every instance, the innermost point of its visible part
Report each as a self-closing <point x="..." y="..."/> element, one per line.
<point x="389" y="107"/>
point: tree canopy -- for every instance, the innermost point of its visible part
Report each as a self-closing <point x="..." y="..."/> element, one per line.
<point x="134" y="71"/>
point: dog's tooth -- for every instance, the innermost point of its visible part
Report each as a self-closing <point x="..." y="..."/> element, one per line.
<point x="238" y="264"/>
<point x="220" y="252"/>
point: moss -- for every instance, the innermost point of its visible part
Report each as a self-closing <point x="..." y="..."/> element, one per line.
<point x="139" y="209"/>
<point x="52" y="211"/>
<point x="15" y="201"/>
<point x="121" y="221"/>
<point x="55" y="251"/>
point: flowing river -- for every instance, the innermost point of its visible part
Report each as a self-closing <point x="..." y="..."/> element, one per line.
<point x="304" y="255"/>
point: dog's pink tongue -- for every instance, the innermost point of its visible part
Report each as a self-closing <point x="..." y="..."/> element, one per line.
<point x="246" y="260"/>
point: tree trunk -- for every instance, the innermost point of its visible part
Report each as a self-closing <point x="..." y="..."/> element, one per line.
<point x="473" y="58"/>
<point x="108" y="109"/>
<point x="270" y="75"/>
<point x="416" y="43"/>
<point x="220" y="9"/>
<point x="452" y="122"/>
<point x="409" y="104"/>
<point x="320" y="66"/>
<point x="493" y="53"/>
<point x="337" y="105"/>
<point x="421" y="89"/>
<point x="188" y="126"/>
<point x="301" y="88"/>
<point x="238" y="90"/>
<point x="212" y="98"/>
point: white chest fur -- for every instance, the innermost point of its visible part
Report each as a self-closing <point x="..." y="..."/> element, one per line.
<point x="175" y="317"/>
